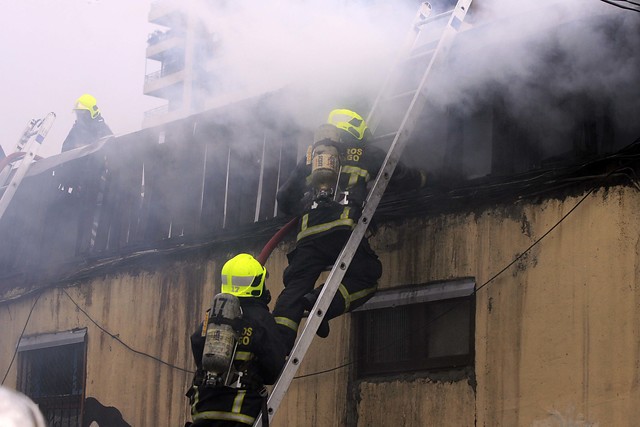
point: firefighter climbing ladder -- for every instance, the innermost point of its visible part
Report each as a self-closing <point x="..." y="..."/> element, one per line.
<point x="30" y="142"/>
<point x="393" y="117"/>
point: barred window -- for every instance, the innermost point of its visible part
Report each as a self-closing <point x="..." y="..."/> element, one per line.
<point x="51" y="371"/>
<point x="420" y="328"/>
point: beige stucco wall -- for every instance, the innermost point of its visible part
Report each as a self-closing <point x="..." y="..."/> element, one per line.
<point x="556" y="333"/>
<point x="149" y="311"/>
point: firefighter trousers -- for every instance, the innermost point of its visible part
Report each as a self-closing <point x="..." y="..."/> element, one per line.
<point x="306" y="262"/>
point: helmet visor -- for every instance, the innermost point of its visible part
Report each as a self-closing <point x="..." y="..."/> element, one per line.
<point x="243" y="286"/>
<point x="348" y="121"/>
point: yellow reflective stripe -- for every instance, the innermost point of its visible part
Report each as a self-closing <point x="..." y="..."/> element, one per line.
<point x="361" y="294"/>
<point x="221" y="415"/>
<point x="349" y="298"/>
<point x="287" y="323"/>
<point x="308" y="156"/>
<point x="355" y="172"/>
<point x="304" y="222"/>
<point x="243" y="355"/>
<point x="196" y="399"/>
<point x="345" y="297"/>
<point x="320" y="228"/>
<point x="237" y="402"/>
<point x="324" y="227"/>
<point x="205" y="323"/>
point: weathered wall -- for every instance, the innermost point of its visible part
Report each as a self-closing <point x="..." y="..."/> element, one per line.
<point x="556" y="333"/>
<point x="152" y="312"/>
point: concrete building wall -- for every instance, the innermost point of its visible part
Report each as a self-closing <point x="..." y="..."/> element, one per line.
<point x="151" y="312"/>
<point x="556" y="333"/>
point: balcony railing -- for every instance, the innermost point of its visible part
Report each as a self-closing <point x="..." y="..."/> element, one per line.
<point x="157" y="75"/>
<point x="153" y="76"/>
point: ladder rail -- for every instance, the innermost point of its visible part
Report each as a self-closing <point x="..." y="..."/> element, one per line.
<point x="34" y="142"/>
<point x="30" y="129"/>
<point x="408" y="123"/>
<point x="410" y="39"/>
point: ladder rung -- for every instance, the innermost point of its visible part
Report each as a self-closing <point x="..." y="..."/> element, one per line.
<point x="401" y="95"/>
<point x="402" y="122"/>
<point x="385" y="136"/>
<point x="419" y="53"/>
<point x="435" y="17"/>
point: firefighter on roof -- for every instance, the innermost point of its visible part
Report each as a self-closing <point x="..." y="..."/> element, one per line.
<point x="327" y="190"/>
<point x="235" y="395"/>
<point x="89" y="125"/>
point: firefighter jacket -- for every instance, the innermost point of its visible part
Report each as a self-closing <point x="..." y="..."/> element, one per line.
<point x="259" y="358"/>
<point x="360" y="165"/>
<point x="86" y="131"/>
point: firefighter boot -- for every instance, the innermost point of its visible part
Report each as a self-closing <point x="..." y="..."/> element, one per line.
<point x="308" y="301"/>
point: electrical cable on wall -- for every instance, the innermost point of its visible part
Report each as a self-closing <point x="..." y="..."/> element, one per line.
<point x="15" y="352"/>
<point x="618" y="171"/>
<point x="115" y="337"/>
<point x="616" y="3"/>
<point x="601" y="178"/>
<point x="486" y="283"/>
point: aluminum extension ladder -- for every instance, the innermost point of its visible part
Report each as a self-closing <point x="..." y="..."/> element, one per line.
<point x="30" y="141"/>
<point x="393" y="117"/>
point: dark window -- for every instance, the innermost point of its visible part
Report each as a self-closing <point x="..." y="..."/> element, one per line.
<point x="418" y="329"/>
<point x="53" y="377"/>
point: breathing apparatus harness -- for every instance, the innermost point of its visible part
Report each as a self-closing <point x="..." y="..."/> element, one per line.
<point x="325" y="157"/>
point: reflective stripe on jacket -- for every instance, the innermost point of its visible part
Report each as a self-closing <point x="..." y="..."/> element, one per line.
<point x="356" y="171"/>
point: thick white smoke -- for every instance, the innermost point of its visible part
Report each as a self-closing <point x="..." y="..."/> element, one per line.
<point x="337" y="52"/>
<point x="537" y="53"/>
<point x="325" y="51"/>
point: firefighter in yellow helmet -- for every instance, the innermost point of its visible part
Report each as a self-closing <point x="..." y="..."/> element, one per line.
<point x="258" y="360"/>
<point x="327" y="190"/>
<point x="89" y="125"/>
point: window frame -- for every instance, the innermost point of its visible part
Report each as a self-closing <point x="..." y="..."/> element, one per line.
<point x="54" y="405"/>
<point x="419" y="302"/>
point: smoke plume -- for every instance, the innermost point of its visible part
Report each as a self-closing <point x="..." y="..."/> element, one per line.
<point x="534" y="52"/>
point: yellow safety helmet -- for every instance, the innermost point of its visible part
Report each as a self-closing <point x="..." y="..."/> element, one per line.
<point x="87" y="102"/>
<point x="243" y="276"/>
<point x="349" y="121"/>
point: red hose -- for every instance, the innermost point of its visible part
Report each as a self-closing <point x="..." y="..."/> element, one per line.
<point x="277" y="238"/>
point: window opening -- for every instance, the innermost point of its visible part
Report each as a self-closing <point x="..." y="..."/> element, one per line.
<point x="51" y="371"/>
<point x="420" y="328"/>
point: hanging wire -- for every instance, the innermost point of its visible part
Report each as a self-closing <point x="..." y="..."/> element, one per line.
<point x="117" y="338"/>
<point x="486" y="283"/>
<point x="15" y="352"/>
<point x="624" y="170"/>
<point x="617" y="3"/>
<point x="601" y="180"/>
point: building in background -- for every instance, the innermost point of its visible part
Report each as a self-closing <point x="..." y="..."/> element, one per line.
<point x="179" y="60"/>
